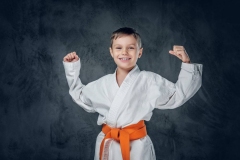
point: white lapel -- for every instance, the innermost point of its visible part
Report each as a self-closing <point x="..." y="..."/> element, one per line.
<point x="119" y="97"/>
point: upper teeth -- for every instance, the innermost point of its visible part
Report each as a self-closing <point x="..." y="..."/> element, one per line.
<point x="124" y="58"/>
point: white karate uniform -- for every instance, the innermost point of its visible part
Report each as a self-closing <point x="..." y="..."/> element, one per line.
<point x="139" y="94"/>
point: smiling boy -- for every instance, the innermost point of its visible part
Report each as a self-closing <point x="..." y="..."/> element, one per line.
<point x="125" y="50"/>
<point x="126" y="98"/>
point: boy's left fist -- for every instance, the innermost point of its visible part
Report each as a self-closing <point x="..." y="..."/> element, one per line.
<point x="180" y="52"/>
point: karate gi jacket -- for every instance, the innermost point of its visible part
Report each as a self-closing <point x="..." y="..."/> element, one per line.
<point x="139" y="94"/>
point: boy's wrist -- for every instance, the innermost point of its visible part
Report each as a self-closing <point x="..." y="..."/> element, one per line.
<point x="186" y="61"/>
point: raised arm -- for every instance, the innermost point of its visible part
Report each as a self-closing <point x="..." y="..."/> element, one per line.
<point x="171" y="95"/>
<point x="72" y="65"/>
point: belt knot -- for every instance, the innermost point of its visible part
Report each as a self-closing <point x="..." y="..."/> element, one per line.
<point x="124" y="136"/>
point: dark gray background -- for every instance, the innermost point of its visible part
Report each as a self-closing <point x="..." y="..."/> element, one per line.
<point x="38" y="119"/>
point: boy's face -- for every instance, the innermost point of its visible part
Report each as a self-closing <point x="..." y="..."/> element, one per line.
<point x="125" y="51"/>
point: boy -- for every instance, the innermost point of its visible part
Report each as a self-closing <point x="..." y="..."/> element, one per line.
<point x="127" y="97"/>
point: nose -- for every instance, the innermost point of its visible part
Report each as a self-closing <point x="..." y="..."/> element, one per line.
<point x="124" y="51"/>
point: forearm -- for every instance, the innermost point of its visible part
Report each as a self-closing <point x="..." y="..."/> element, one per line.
<point x="72" y="71"/>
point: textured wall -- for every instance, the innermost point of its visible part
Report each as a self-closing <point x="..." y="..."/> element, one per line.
<point x="38" y="119"/>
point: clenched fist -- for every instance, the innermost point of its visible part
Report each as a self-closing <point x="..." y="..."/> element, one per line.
<point x="180" y="52"/>
<point x="71" y="57"/>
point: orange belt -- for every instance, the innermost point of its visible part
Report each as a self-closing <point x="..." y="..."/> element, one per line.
<point x="124" y="136"/>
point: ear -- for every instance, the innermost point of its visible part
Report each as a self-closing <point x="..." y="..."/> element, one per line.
<point x="111" y="52"/>
<point x="140" y="52"/>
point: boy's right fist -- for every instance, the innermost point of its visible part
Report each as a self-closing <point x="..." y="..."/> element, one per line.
<point x="71" y="57"/>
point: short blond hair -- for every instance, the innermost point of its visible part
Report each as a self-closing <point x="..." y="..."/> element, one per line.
<point x="126" y="31"/>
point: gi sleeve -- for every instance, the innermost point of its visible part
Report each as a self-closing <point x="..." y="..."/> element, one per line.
<point x="72" y="71"/>
<point x="172" y="95"/>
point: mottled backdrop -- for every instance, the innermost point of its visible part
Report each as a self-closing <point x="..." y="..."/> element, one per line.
<point x="38" y="119"/>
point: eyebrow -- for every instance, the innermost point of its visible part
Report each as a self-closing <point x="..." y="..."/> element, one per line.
<point x="120" y="44"/>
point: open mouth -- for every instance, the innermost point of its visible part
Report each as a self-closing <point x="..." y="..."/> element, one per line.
<point x="124" y="59"/>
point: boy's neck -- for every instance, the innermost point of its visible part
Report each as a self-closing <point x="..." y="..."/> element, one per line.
<point x="123" y="72"/>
